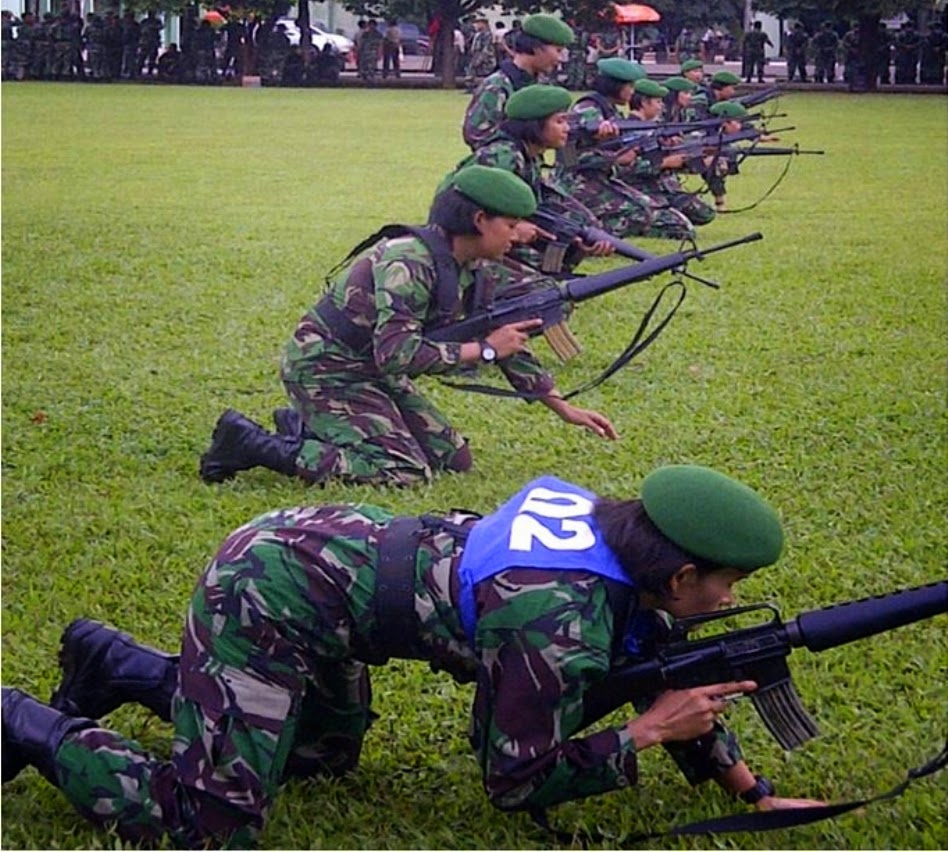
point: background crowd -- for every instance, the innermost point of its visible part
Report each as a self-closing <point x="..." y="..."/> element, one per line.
<point x="106" y="47"/>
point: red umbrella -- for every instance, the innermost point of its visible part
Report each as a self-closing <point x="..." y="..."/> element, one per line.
<point x="635" y="13"/>
<point x="215" y="18"/>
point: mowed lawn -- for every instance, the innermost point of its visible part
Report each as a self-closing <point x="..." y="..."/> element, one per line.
<point x="159" y="245"/>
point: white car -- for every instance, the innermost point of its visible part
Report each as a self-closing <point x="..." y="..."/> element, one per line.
<point x="318" y="35"/>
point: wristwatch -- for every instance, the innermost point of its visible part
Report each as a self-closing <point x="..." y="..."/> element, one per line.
<point x="761" y="789"/>
<point x="488" y="353"/>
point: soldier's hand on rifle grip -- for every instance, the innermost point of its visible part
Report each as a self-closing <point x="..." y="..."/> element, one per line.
<point x="627" y="157"/>
<point x="673" y="161"/>
<point x="510" y="339"/>
<point x="600" y="248"/>
<point x="683" y="714"/>
<point x="606" y="130"/>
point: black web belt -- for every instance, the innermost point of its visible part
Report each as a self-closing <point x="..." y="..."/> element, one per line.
<point x="395" y="619"/>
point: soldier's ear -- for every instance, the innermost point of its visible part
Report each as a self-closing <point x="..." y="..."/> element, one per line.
<point x="480" y="221"/>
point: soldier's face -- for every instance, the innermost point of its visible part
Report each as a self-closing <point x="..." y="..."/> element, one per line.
<point x="696" y="75"/>
<point x="651" y="108"/>
<point x="694" y="594"/>
<point x="548" y="58"/>
<point x="555" y="131"/>
<point x="684" y="98"/>
<point x="497" y="234"/>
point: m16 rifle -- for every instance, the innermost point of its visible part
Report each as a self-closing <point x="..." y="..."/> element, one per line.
<point x="552" y="301"/>
<point x="759" y="653"/>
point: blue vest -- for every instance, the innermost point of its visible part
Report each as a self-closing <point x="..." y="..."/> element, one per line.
<point x="548" y="525"/>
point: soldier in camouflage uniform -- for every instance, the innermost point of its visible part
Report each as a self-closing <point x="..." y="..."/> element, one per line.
<point x="825" y="45"/>
<point x="593" y="177"/>
<point x="150" y="44"/>
<point x="535" y="121"/>
<point x="795" y="46"/>
<point x="908" y="45"/>
<point x="481" y="57"/>
<point x="349" y="367"/>
<point x="96" y="48"/>
<point x="538" y="50"/>
<point x="370" y="49"/>
<point x="537" y="603"/>
<point x="23" y="47"/>
<point x="680" y="210"/>
<point x="9" y="44"/>
<point x="41" y="60"/>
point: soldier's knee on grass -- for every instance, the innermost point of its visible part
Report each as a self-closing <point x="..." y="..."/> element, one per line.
<point x="461" y="462"/>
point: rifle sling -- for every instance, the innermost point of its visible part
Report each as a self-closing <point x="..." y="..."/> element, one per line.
<point x="639" y="342"/>
<point x="752" y="821"/>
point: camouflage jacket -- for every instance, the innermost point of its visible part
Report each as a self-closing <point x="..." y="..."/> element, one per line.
<point x="485" y="112"/>
<point x="589" y="155"/>
<point x="396" y="310"/>
<point x="542" y="639"/>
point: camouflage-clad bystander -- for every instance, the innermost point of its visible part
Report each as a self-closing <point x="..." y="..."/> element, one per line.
<point x="23" y="47"/>
<point x="150" y="44"/>
<point x="96" y="47"/>
<point x="932" y="64"/>
<point x="538" y="50"/>
<point x="538" y="602"/>
<point x="795" y="46"/>
<point x="825" y="45"/>
<point x="482" y="60"/>
<point x="908" y="45"/>
<point x="370" y="50"/>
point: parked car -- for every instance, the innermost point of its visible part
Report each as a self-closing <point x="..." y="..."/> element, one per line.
<point x="318" y="35"/>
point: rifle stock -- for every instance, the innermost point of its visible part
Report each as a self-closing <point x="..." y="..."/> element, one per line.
<point x="759" y="653"/>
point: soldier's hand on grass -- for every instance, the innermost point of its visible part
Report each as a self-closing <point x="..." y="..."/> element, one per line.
<point x="595" y="422"/>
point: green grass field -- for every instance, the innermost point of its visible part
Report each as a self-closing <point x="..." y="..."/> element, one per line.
<point x="159" y="245"/>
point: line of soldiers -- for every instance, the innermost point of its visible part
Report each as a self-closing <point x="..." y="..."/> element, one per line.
<point x="108" y="47"/>
<point x="916" y="58"/>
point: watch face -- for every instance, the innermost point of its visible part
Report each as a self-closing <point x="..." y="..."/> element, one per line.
<point x="488" y="353"/>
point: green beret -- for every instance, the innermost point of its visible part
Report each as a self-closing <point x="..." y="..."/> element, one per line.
<point x="691" y="65"/>
<point x="621" y="69"/>
<point x="496" y="190"/>
<point x="537" y="101"/>
<point x="725" y="78"/>
<point x="650" y="89"/>
<point x="549" y="29"/>
<point x="712" y="516"/>
<point x="680" y="84"/>
<point x="728" y="109"/>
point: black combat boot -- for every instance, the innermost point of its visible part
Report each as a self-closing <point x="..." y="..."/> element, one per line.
<point x="104" y="669"/>
<point x="240" y="444"/>
<point x="288" y="422"/>
<point x="32" y="734"/>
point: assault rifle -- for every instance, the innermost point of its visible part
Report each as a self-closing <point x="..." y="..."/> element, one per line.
<point x="771" y="151"/>
<point x="553" y="301"/>
<point x="566" y="232"/>
<point x="759" y="653"/>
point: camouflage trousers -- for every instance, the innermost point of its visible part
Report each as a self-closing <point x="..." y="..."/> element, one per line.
<point x="378" y="430"/>
<point x="677" y="209"/>
<point x="265" y="669"/>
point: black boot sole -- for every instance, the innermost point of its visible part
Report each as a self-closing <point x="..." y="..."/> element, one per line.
<point x="75" y="673"/>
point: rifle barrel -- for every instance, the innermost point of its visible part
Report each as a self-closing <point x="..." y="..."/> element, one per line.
<point x="841" y="623"/>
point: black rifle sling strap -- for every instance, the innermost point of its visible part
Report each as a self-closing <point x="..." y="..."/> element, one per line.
<point x="751" y="821"/>
<point x="640" y="340"/>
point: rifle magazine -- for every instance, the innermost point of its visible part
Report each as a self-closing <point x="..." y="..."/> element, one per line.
<point x="553" y="257"/>
<point x="782" y="711"/>
<point x="562" y="341"/>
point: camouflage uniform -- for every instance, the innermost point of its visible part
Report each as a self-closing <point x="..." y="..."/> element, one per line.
<point x="908" y="45"/>
<point x="482" y="60"/>
<point x="290" y="602"/>
<point x="366" y="421"/>
<point x="96" y="48"/>
<point x="510" y="155"/>
<point x="592" y="180"/>
<point x="23" y="48"/>
<point x="825" y="44"/>
<point x="795" y="45"/>
<point x="370" y="49"/>
<point x="485" y="112"/>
